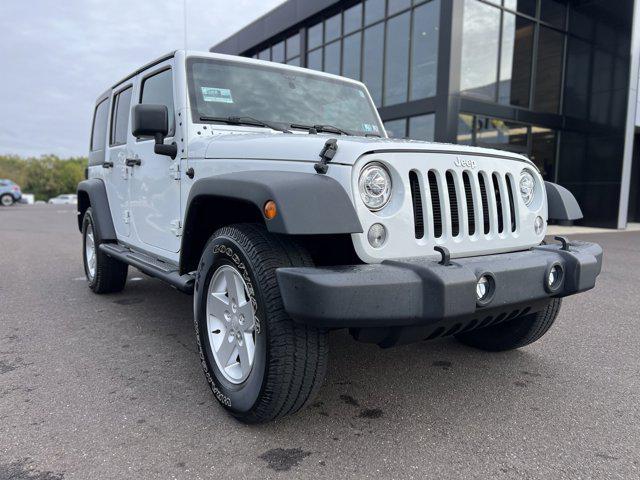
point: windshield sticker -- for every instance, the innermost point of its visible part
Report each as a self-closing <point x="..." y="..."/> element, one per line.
<point x="220" y="95"/>
<point x="368" y="127"/>
<point x="361" y="93"/>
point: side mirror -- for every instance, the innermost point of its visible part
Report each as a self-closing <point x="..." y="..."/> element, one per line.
<point x="153" y="121"/>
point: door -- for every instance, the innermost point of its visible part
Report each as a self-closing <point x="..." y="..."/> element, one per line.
<point x="116" y="175"/>
<point x="155" y="182"/>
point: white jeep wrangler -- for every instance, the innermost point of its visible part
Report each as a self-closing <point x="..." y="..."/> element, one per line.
<point x="272" y="194"/>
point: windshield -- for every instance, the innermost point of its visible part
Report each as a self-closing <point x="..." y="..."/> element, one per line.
<point x="270" y="94"/>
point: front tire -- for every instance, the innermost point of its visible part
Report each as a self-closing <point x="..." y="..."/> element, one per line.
<point x="516" y="333"/>
<point x="265" y="366"/>
<point x="7" y="200"/>
<point x="105" y="274"/>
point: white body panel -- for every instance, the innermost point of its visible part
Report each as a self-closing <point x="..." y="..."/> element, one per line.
<point x="157" y="200"/>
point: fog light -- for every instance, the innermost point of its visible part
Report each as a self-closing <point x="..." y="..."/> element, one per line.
<point x="538" y="225"/>
<point x="555" y="277"/>
<point x="484" y="289"/>
<point x="377" y="235"/>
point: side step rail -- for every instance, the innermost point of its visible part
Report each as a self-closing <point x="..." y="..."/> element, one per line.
<point x="152" y="267"/>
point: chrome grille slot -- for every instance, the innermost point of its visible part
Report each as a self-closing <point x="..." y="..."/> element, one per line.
<point x="499" y="206"/>
<point x="436" y="204"/>
<point x="485" y="204"/>
<point x="453" y="204"/>
<point x="416" y="197"/>
<point x="512" y="205"/>
<point x="468" y="194"/>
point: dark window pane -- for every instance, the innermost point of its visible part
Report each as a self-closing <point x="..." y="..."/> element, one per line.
<point x="373" y="11"/>
<point x="265" y="54"/>
<point x="548" y="71"/>
<point x="553" y="12"/>
<point x="372" y="61"/>
<point x="515" y="64"/>
<point x="465" y="129"/>
<point x="159" y="90"/>
<point x="333" y="28"/>
<point x="422" y="127"/>
<point x="332" y="58"/>
<point x="353" y="18"/>
<point x="314" y="59"/>
<point x="543" y="151"/>
<point x="397" y="60"/>
<point x="314" y="36"/>
<point x="396" y="128"/>
<point x="120" y="117"/>
<point x="481" y="31"/>
<point x="397" y="5"/>
<point x="576" y="89"/>
<point x="293" y="46"/>
<point x="294" y="61"/>
<point x="351" y="56"/>
<point x="277" y="52"/>
<point x="424" y="52"/>
<point x="528" y="7"/>
<point x="99" y="131"/>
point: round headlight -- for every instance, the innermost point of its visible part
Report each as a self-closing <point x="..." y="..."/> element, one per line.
<point x="375" y="186"/>
<point x="527" y="187"/>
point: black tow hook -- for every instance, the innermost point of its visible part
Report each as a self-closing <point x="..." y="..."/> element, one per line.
<point x="326" y="155"/>
<point x="446" y="255"/>
<point x="564" y="241"/>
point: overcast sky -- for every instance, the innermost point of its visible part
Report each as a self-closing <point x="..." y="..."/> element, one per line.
<point x="56" y="57"/>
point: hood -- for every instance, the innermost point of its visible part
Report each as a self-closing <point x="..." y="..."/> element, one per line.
<point x="305" y="147"/>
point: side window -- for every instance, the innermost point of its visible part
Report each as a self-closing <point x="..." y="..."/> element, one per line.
<point x="99" y="129"/>
<point x="158" y="89"/>
<point x="120" y="117"/>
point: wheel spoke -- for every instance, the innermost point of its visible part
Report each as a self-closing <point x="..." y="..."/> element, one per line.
<point x="246" y="311"/>
<point x="244" y="354"/>
<point x="234" y="287"/>
<point x="226" y="351"/>
<point x="218" y="305"/>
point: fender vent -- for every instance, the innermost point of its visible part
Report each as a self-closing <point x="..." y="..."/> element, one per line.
<point x="435" y="204"/>
<point x="416" y="197"/>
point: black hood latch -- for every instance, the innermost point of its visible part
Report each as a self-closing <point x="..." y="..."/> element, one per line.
<point x="326" y="155"/>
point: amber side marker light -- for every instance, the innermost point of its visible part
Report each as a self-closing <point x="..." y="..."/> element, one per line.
<point x="270" y="210"/>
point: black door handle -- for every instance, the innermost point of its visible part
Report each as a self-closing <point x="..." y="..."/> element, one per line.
<point x="107" y="164"/>
<point x="132" y="162"/>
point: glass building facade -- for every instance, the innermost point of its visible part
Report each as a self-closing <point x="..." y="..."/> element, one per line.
<point x="545" y="78"/>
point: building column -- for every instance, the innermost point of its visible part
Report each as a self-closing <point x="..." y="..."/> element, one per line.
<point x="632" y="105"/>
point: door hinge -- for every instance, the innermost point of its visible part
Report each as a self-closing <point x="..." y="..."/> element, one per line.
<point x="174" y="171"/>
<point x="176" y="228"/>
<point x="126" y="216"/>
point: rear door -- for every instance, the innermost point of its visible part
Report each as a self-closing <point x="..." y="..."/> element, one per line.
<point x="117" y="176"/>
<point x="155" y="183"/>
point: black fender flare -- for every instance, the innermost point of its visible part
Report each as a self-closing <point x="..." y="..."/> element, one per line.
<point x="562" y="204"/>
<point x="307" y="204"/>
<point x="92" y="193"/>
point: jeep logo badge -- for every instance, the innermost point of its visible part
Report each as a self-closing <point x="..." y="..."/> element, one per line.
<point x="464" y="163"/>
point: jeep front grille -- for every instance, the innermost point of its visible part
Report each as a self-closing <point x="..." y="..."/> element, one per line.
<point x="462" y="204"/>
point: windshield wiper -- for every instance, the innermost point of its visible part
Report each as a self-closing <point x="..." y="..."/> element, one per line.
<point x="244" y="121"/>
<point x="320" y="128"/>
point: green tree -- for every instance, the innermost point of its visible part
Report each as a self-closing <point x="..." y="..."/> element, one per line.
<point x="45" y="177"/>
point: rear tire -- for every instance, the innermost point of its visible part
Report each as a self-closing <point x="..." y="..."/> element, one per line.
<point x="515" y="333"/>
<point x="105" y="274"/>
<point x="7" y="200"/>
<point x="289" y="360"/>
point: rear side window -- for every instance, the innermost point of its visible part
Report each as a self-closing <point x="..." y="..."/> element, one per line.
<point x="99" y="130"/>
<point x="120" y="117"/>
<point x="158" y="89"/>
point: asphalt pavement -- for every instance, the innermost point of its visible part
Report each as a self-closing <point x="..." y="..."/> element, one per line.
<point x="110" y="387"/>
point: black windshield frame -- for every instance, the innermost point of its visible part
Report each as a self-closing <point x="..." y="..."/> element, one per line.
<point x="196" y="113"/>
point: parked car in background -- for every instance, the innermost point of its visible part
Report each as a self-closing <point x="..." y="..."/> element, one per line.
<point x="64" y="199"/>
<point x="9" y="192"/>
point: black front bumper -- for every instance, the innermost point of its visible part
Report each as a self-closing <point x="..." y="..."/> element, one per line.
<point x="420" y="292"/>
